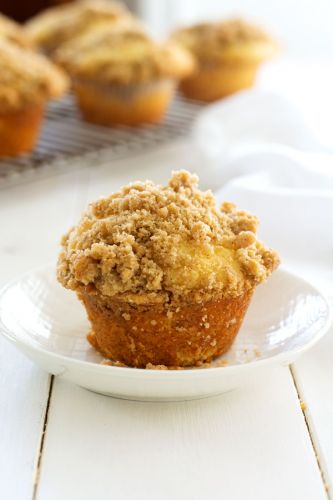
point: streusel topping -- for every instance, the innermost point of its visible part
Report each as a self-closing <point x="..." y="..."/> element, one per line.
<point x="27" y="78"/>
<point x="13" y="32"/>
<point x="213" y="40"/>
<point x="148" y="243"/>
<point x="56" y="25"/>
<point x="123" y="56"/>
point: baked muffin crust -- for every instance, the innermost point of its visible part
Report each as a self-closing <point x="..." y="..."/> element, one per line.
<point x="148" y="244"/>
<point x="226" y="39"/>
<point x="123" y="56"/>
<point x="27" y="78"/>
<point x="57" y="25"/>
<point x="13" y="32"/>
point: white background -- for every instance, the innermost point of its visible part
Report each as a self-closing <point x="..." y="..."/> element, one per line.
<point x="303" y="26"/>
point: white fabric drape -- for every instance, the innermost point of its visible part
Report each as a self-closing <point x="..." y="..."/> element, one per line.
<point x="259" y="153"/>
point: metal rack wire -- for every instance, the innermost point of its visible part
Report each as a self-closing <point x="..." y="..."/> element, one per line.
<point x="68" y="142"/>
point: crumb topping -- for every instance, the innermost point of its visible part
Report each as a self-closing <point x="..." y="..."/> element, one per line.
<point x="148" y="243"/>
<point x="149" y="366"/>
<point x="61" y="23"/>
<point x="13" y="32"/>
<point x="215" y="40"/>
<point x="123" y="56"/>
<point x="27" y="78"/>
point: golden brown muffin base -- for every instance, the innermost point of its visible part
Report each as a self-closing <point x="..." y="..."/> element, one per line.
<point x="216" y="82"/>
<point x="190" y="334"/>
<point x="132" y="105"/>
<point x="19" y="130"/>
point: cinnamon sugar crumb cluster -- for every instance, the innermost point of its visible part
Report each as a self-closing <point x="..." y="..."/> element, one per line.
<point x="217" y="364"/>
<point x="134" y="244"/>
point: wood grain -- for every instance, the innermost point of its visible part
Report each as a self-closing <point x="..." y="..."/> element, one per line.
<point x="32" y="218"/>
<point x="313" y="376"/>
<point x="247" y="444"/>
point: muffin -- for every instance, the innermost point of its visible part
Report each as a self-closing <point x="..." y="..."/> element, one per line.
<point x="165" y="275"/>
<point x="13" y="32"/>
<point x="56" y="25"/>
<point x="27" y="81"/>
<point x="228" y="54"/>
<point x="122" y="76"/>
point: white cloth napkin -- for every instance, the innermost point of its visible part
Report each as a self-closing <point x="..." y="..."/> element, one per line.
<point x="259" y="153"/>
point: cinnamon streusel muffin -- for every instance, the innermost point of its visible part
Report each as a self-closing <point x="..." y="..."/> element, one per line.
<point x="165" y="275"/>
<point x="27" y="81"/>
<point x="13" y="32"/>
<point x="228" y="55"/>
<point x="57" y="25"/>
<point x="123" y="76"/>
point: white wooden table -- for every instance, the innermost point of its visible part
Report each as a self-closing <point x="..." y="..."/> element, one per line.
<point x="271" y="440"/>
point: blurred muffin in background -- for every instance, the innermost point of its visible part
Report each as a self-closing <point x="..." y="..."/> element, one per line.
<point x="228" y="54"/>
<point x="13" y="32"/>
<point x="122" y="76"/>
<point x="27" y="82"/>
<point x="56" y="25"/>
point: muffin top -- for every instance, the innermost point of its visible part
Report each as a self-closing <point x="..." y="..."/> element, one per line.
<point x="13" y="32"/>
<point x="27" y="78"/>
<point x="57" y="25"/>
<point x="225" y="40"/>
<point x="150" y="244"/>
<point x="123" y="56"/>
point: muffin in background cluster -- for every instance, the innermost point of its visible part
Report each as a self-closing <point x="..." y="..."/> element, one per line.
<point x="27" y="81"/>
<point x="119" y="74"/>
<point x="228" y="54"/>
<point x="123" y="76"/>
<point x="165" y="275"/>
<point x="13" y="32"/>
<point x="57" y="25"/>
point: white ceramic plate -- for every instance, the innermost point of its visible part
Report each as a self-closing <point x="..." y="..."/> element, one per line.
<point x="286" y="317"/>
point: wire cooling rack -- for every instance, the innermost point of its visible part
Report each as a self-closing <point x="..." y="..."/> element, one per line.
<point x="68" y="142"/>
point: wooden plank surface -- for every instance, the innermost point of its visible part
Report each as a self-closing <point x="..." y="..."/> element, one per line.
<point x="314" y="376"/>
<point x="31" y="219"/>
<point x="248" y="444"/>
<point x="23" y="396"/>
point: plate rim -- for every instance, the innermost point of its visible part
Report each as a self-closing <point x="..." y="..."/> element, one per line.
<point x="279" y="358"/>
